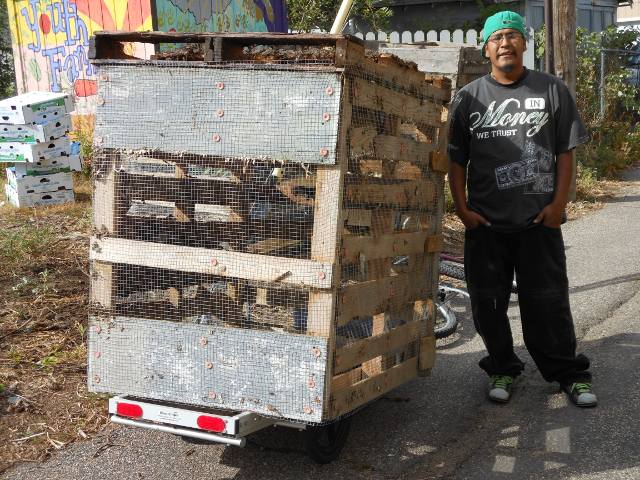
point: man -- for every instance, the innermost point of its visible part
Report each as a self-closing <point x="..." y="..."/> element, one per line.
<point x="511" y="138"/>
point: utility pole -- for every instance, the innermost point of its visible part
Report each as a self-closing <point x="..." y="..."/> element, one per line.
<point x="564" y="56"/>
<point x="549" y="66"/>
<point x="564" y="41"/>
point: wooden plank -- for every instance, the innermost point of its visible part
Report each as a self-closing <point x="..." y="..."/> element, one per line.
<point x="377" y="97"/>
<point x="377" y="296"/>
<point x="427" y="354"/>
<point x="345" y="400"/>
<point x="104" y="201"/>
<point x="288" y="189"/>
<point x="434" y="244"/>
<point x="345" y="380"/>
<point x="205" y="168"/>
<point x="215" y="262"/>
<point x="407" y="171"/>
<point x="439" y="161"/>
<point x="396" y="76"/>
<point x="376" y="365"/>
<point x="384" y="246"/>
<point x="271" y="245"/>
<point x="412" y="193"/>
<point x="368" y="348"/>
<point x="366" y="141"/>
<point x="358" y="217"/>
<point x="384" y="221"/>
<point x="240" y="38"/>
<point x="101" y="291"/>
<point x="328" y="224"/>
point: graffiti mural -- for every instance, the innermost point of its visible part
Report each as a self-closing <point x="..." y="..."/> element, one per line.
<point x="51" y="37"/>
<point x="221" y="15"/>
<point x="51" y="41"/>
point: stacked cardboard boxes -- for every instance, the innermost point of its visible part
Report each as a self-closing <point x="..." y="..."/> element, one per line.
<point x="33" y="136"/>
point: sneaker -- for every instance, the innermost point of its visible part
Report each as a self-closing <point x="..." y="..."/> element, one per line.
<point x="581" y="394"/>
<point x="500" y="388"/>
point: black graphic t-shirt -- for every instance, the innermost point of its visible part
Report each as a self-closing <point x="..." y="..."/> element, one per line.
<point x="508" y="137"/>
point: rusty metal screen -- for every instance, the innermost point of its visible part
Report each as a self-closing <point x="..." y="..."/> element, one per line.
<point x="266" y="224"/>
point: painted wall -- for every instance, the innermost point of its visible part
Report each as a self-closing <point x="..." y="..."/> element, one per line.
<point x="50" y="41"/>
<point x="50" y="38"/>
<point x="221" y="15"/>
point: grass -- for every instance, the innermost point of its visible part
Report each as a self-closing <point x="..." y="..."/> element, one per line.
<point x="26" y="241"/>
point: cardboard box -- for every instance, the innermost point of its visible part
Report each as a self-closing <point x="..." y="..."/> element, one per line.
<point x="35" y="107"/>
<point x="71" y="163"/>
<point x="37" y="199"/>
<point x="24" y="152"/>
<point x="31" y="133"/>
<point x="39" y="184"/>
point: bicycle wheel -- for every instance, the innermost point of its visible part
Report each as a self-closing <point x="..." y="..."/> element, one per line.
<point x="452" y="270"/>
<point x="446" y="322"/>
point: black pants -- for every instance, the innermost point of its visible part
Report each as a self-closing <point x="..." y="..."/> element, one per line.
<point x="538" y="259"/>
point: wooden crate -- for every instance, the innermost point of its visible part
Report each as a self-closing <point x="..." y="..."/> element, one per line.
<point x="335" y="279"/>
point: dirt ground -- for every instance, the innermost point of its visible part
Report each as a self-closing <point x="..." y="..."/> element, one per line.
<point x="44" y="281"/>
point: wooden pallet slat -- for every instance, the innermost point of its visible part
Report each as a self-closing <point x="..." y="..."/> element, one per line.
<point x="367" y="141"/>
<point x="368" y="348"/>
<point x="347" y="399"/>
<point x="412" y="194"/>
<point x="377" y="97"/>
<point x="391" y="245"/>
<point x="378" y="296"/>
<point x="214" y="262"/>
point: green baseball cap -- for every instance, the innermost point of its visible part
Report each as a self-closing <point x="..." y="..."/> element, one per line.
<point x="500" y="20"/>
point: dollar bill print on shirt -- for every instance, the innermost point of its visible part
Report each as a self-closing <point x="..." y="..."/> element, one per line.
<point x="535" y="170"/>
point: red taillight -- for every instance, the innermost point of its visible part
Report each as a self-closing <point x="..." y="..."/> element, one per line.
<point x="129" y="410"/>
<point x="213" y="424"/>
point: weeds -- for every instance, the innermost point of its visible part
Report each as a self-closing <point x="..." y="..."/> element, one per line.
<point x="19" y="244"/>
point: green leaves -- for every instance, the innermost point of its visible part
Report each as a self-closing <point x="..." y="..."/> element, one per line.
<point x="307" y="15"/>
<point x="7" y="80"/>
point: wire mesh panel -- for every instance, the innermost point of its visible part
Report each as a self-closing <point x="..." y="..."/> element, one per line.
<point x="257" y="198"/>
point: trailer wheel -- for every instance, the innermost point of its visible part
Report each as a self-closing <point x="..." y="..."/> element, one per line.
<point x="324" y="442"/>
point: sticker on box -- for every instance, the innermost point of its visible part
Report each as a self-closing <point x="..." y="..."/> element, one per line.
<point x="71" y="163"/>
<point x="23" y="152"/>
<point x="40" y="183"/>
<point x="35" y="107"/>
<point x="38" y="199"/>
<point x="48" y="131"/>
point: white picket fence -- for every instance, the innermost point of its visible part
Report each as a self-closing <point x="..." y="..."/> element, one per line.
<point x="470" y="37"/>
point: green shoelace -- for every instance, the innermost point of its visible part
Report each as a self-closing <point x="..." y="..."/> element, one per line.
<point x="582" y="387"/>
<point x="501" y="381"/>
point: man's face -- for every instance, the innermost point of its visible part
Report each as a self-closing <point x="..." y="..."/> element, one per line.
<point x="505" y="49"/>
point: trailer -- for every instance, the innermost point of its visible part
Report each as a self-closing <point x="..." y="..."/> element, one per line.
<point x="252" y="196"/>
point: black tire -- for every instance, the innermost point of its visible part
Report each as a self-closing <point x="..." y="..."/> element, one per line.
<point x="445" y="323"/>
<point x="452" y="270"/>
<point x="324" y="443"/>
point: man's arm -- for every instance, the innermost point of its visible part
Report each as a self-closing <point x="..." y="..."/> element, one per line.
<point x="551" y="215"/>
<point x="457" y="182"/>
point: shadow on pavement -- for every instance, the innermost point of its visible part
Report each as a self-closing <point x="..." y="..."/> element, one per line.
<point x="538" y="435"/>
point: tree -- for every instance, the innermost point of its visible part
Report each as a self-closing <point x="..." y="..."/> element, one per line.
<point x="7" y="77"/>
<point x="307" y="15"/>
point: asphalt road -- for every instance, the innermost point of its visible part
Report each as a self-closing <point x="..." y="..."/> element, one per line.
<point x="442" y="426"/>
